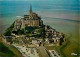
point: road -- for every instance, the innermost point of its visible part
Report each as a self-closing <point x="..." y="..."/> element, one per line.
<point x="43" y="52"/>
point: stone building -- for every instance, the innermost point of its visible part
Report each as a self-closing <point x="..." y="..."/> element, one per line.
<point x="7" y="39"/>
<point x="32" y="19"/>
<point x="17" y="25"/>
<point x="35" y="41"/>
<point x="28" y="20"/>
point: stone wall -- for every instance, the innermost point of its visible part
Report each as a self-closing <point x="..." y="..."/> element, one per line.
<point x="32" y="22"/>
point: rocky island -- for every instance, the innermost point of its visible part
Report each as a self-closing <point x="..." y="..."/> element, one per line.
<point x="30" y="31"/>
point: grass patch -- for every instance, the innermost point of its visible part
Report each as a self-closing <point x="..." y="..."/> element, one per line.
<point x="9" y="51"/>
<point x="5" y="51"/>
<point x="71" y="46"/>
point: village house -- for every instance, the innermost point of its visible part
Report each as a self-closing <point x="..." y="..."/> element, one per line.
<point x="7" y="39"/>
<point x="35" y="41"/>
<point x="0" y="38"/>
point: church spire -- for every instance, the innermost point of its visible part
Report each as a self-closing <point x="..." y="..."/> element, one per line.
<point x="30" y="8"/>
<point x="30" y="12"/>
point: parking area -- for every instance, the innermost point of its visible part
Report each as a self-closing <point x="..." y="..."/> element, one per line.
<point x="27" y="52"/>
<point x="54" y="53"/>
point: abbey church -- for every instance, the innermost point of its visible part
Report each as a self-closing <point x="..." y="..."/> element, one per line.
<point x="30" y="20"/>
<point x="33" y="19"/>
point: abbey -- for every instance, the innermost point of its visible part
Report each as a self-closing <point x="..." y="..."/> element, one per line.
<point x="30" y="20"/>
